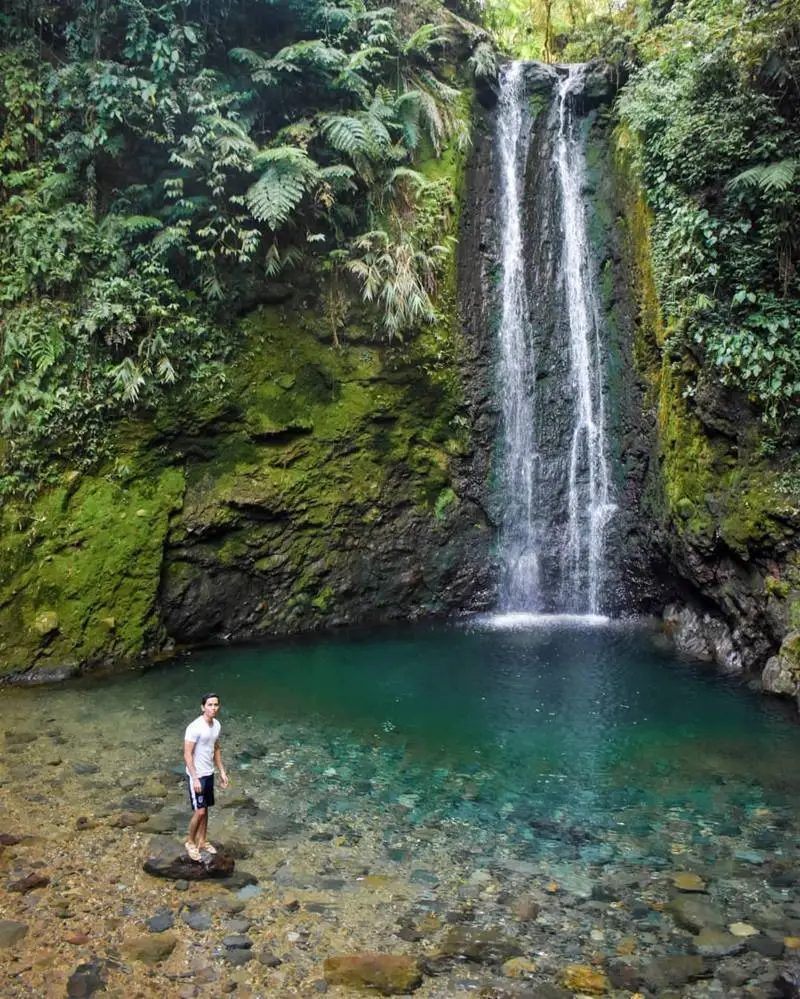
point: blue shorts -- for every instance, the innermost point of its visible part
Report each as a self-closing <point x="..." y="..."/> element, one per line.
<point x="204" y="798"/>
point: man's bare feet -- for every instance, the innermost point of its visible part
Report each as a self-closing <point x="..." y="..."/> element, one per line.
<point x="191" y="849"/>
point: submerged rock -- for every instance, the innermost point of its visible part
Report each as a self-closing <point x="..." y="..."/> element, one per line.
<point x="86" y="979"/>
<point x="584" y="979"/>
<point x="149" y="948"/>
<point x="29" y="883"/>
<point x="696" y="914"/>
<point x="488" y="946"/>
<point x="389" y="974"/>
<point x="11" y="932"/>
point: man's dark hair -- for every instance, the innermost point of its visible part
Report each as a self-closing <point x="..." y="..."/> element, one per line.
<point x="205" y="697"/>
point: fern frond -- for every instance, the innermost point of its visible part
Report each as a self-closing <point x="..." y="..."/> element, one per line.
<point x="483" y="62"/>
<point x="278" y="191"/>
<point x="345" y="133"/>
<point x="312" y="54"/>
<point x="768" y="177"/>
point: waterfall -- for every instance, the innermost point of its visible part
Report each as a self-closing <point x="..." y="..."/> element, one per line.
<point x="519" y="544"/>
<point x="553" y="470"/>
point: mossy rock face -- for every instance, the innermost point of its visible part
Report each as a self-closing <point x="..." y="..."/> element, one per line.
<point x="723" y="501"/>
<point x="313" y="487"/>
<point x="80" y="570"/>
<point x="334" y="497"/>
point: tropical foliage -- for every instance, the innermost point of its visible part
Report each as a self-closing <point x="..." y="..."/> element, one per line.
<point x="161" y="164"/>
<point x="712" y="105"/>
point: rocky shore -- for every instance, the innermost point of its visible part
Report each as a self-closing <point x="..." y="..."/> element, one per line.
<point x="311" y="895"/>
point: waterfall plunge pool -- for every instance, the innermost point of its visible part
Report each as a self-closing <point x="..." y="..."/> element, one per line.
<point x="459" y="765"/>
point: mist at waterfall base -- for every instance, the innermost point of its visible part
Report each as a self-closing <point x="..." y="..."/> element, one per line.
<point x="507" y="740"/>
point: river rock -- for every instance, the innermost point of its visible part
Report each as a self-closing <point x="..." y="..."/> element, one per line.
<point x="674" y="971"/>
<point x="743" y="930"/>
<point x="148" y="948"/>
<point x="237" y="941"/>
<point x="29" y="883"/>
<point x="238" y="956"/>
<point x="171" y="861"/>
<point x="11" y="932"/>
<point x="695" y="914"/>
<point x="196" y="920"/>
<point x="787" y="983"/>
<point x="586" y="980"/>
<point x="86" y="979"/>
<point x="161" y="921"/>
<point x="686" y="882"/>
<point x="486" y="946"/>
<point x="717" y="943"/>
<point x="127" y="819"/>
<point x="765" y="945"/>
<point x="389" y="974"/>
<point x="519" y="967"/>
<point x="524" y="908"/>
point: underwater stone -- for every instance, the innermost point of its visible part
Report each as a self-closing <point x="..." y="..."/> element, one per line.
<point x="389" y="974"/>
<point x="11" y="932"/>
<point x="150" y="949"/>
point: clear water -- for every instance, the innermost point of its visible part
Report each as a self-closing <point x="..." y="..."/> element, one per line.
<point x="580" y="743"/>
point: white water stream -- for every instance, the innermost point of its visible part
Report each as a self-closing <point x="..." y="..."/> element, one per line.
<point x="533" y="533"/>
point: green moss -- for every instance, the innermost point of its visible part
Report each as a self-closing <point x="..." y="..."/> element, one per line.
<point x="281" y="470"/>
<point x="445" y="499"/>
<point x="86" y="560"/>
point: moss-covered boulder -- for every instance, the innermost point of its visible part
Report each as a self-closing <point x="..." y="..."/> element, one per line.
<point x="80" y="570"/>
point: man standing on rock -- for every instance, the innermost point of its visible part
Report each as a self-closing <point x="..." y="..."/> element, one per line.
<point x="202" y="754"/>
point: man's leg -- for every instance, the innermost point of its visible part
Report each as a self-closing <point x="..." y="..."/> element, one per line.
<point x="198" y="826"/>
<point x="202" y="831"/>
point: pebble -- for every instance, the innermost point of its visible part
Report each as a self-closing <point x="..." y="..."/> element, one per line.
<point x="161" y="921"/>
<point x="237" y="941"/>
<point x="238" y="957"/>
<point x="743" y="930"/>
<point x="86" y="979"/>
<point x="749" y="856"/>
<point x="196" y="920"/>
<point x="11" y="932"/>
<point x="689" y="882"/>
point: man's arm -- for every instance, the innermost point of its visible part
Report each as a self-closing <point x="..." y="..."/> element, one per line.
<point x="218" y="764"/>
<point x="188" y="756"/>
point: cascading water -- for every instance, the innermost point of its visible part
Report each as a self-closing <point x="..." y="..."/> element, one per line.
<point x="554" y="469"/>
<point x="519" y="543"/>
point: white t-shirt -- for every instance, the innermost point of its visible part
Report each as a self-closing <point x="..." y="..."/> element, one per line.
<point x="204" y="737"/>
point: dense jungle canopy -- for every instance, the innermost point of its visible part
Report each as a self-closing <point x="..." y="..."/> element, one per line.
<point x="165" y="166"/>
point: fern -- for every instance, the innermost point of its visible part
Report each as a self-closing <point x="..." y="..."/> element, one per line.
<point x="289" y="174"/>
<point x="769" y="177"/>
<point x="483" y="61"/>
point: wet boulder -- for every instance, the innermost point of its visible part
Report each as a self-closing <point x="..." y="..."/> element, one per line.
<point x="170" y="860"/>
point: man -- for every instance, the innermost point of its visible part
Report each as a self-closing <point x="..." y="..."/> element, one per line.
<point x="202" y="754"/>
